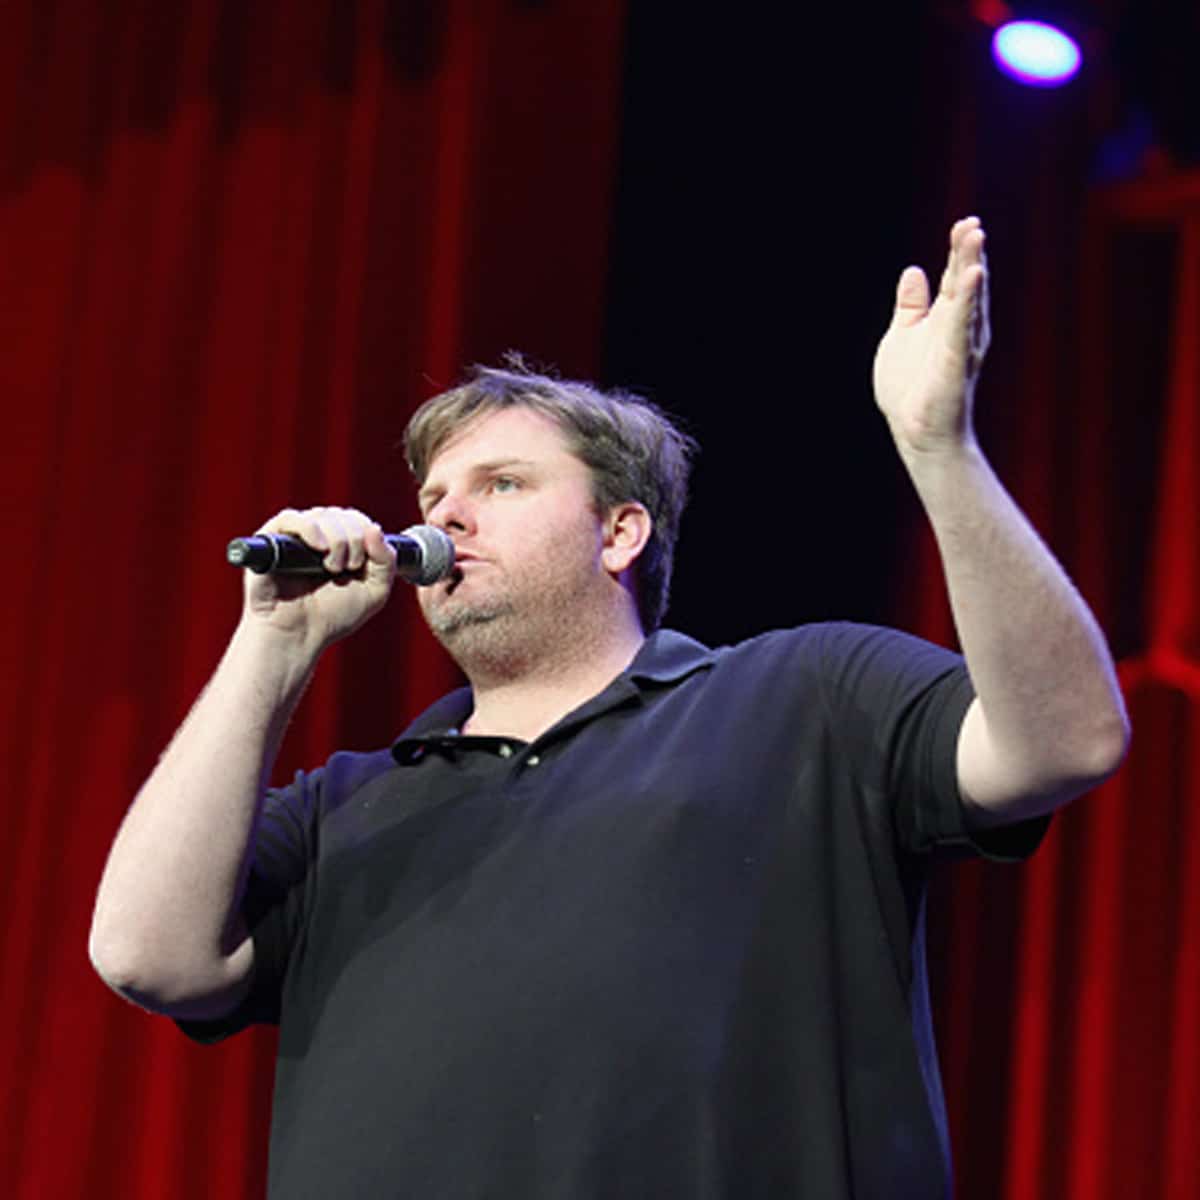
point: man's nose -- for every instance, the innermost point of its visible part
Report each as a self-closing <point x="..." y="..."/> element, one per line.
<point x="453" y="513"/>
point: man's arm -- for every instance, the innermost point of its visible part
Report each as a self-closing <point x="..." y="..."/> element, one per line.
<point x="166" y="931"/>
<point x="1048" y="721"/>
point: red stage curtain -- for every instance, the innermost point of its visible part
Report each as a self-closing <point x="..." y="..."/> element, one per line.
<point x="1068" y="990"/>
<point x="238" y="244"/>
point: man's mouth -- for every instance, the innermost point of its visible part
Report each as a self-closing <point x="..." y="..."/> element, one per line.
<point x="457" y="572"/>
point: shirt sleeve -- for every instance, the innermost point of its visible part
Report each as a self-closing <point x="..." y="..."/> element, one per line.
<point x="274" y="903"/>
<point x="898" y="704"/>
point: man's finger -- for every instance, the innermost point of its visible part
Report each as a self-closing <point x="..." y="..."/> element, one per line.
<point x="961" y="254"/>
<point x="912" y="297"/>
<point x="378" y="551"/>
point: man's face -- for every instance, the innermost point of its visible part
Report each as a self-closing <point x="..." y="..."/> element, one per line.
<point x="518" y="505"/>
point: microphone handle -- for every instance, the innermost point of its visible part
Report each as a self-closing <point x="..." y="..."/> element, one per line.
<point x="280" y="554"/>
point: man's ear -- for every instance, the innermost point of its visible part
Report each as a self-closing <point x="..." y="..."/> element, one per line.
<point x="627" y="529"/>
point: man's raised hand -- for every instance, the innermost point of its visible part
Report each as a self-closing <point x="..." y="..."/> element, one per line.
<point x="929" y="359"/>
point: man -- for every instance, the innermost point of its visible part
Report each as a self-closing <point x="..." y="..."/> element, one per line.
<point x="627" y="917"/>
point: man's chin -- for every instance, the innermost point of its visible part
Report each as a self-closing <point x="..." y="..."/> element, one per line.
<point x="454" y="621"/>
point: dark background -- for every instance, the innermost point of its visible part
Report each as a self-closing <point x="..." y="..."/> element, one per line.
<point x="768" y="177"/>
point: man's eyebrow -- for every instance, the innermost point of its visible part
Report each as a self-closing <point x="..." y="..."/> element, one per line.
<point x="498" y="464"/>
<point x="477" y="469"/>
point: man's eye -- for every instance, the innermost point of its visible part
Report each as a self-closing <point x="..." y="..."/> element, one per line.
<point x="505" y="483"/>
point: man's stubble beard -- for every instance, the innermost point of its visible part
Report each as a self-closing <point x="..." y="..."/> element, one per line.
<point x="484" y="634"/>
<point x="505" y="634"/>
<point x="447" y="626"/>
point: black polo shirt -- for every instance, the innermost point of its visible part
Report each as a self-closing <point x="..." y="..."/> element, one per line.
<point x="670" y="950"/>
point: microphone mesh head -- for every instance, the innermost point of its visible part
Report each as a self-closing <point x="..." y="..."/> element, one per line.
<point x="437" y="555"/>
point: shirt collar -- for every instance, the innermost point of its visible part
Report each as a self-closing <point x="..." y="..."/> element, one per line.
<point x="667" y="656"/>
<point x="664" y="658"/>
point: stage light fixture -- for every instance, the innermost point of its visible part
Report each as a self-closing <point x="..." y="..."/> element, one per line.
<point x="1032" y="43"/>
<point x="1036" y="53"/>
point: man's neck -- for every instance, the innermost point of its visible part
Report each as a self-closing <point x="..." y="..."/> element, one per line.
<point x="528" y="704"/>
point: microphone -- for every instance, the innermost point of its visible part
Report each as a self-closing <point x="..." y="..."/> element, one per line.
<point x="424" y="554"/>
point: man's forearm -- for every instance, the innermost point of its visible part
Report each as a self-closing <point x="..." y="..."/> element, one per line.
<point x="165" y="930"/>
<point x="1050" y="720"/>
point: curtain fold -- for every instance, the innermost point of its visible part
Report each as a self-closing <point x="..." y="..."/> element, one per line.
<point x="238" y="245"/>
<point x="1074" y="1073"/>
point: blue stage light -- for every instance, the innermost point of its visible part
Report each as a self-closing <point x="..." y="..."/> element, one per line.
<point x="1035" y="53"/>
